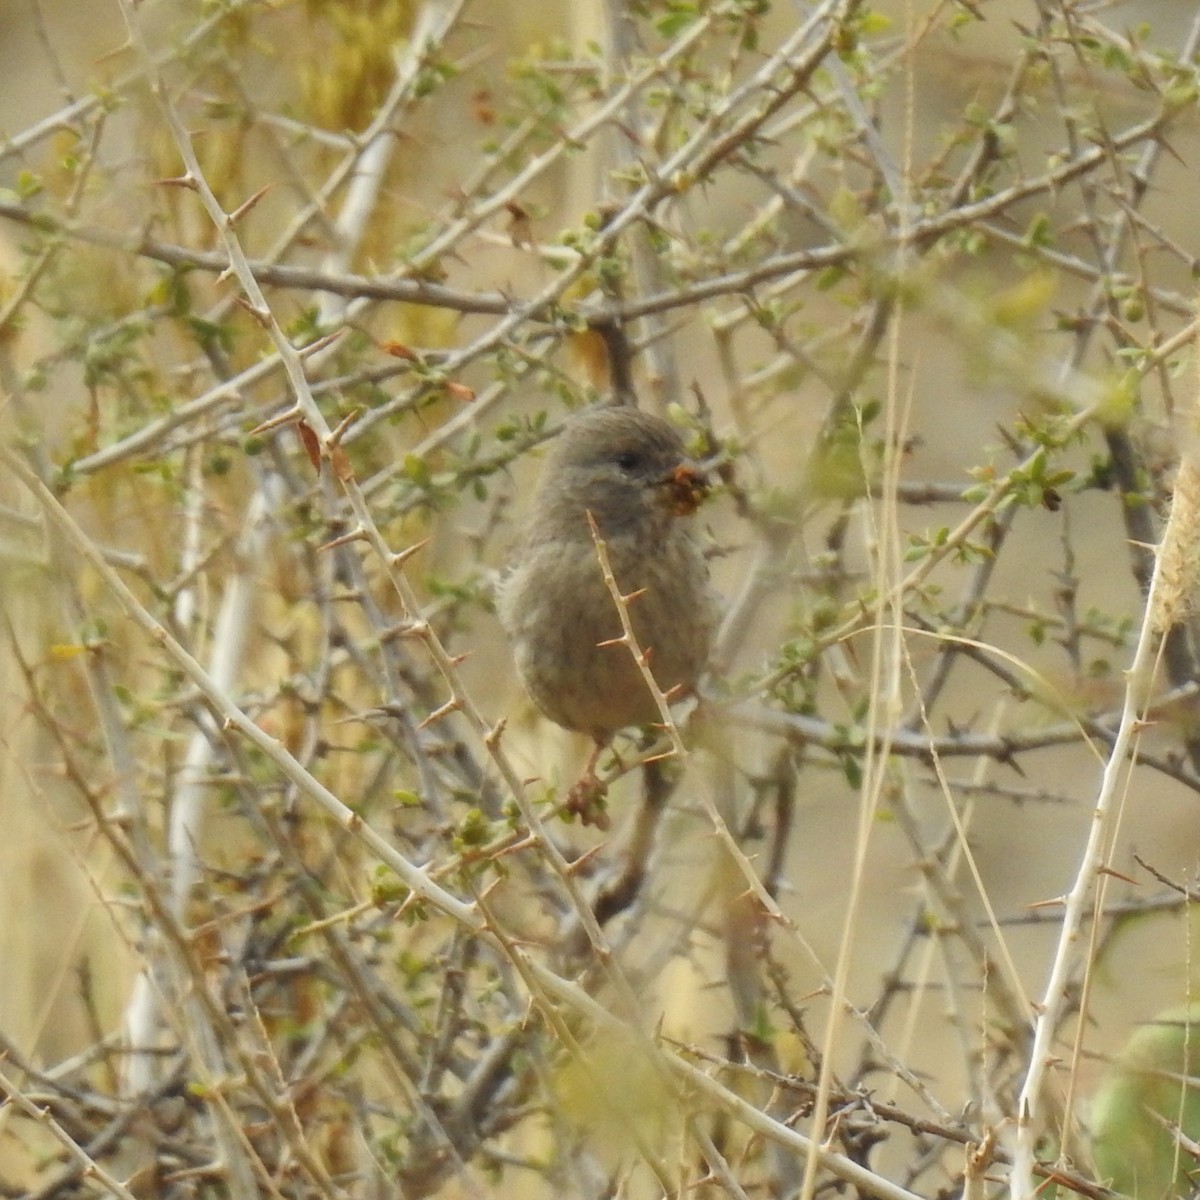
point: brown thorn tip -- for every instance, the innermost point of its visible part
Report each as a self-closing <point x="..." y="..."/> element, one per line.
<point x="355" y="535"/>
<point x="242" y="209"/>
<point x="290" y="417"/>
<point x="344" y="424"/>
<point x="402" y="556"/>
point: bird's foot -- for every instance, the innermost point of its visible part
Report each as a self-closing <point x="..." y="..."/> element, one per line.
<point x="587" y="800"/>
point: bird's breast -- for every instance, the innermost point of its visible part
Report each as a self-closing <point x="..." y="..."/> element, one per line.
<point x="565" y="625"/>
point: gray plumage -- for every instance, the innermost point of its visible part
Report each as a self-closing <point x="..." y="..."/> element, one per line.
<point x="630" y="470"/>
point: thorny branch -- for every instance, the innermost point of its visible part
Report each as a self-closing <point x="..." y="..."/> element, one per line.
<point x="302" y="347"/>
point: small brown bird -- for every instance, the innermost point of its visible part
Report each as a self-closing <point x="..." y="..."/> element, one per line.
<point x="629" y="470"/>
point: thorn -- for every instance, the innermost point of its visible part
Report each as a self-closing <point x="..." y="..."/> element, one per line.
<point x="320" y="343"/>
<point x="491" y="887"/>
<point x="573" y="868"/>
<point x="491" y="739"/>
<point x="402" y="556"/>
<point x="531" y="842"/>
<point x="1117" y="875"/>
<point x="238" y="213"/>
<point x="180" y="181"/>
<point x="410" y="629"/>
<point x="451" y="705"/>
<point x="261" y="315"/>
<point x="290" y="417"/>
<point x="344" y="424"/>
<point x="355" y="535"/>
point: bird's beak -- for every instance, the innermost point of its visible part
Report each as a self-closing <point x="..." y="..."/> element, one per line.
<point x="686" y="487"/>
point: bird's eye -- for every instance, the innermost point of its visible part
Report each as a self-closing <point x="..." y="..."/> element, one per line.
<point x="629" y="460"/>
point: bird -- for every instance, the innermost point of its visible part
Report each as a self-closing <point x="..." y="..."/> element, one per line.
<point x="622" y="475"/>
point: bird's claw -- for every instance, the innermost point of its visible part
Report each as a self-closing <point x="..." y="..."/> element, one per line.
<point x="587" y="800"/>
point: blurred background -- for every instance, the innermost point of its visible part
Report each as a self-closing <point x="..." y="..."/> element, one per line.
<point x="919" y="277"/>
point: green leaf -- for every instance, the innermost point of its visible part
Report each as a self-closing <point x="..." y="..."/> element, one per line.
<point x="1151" y="1090"/>
<point x="677" y="20"/>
